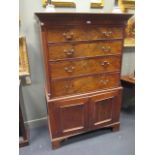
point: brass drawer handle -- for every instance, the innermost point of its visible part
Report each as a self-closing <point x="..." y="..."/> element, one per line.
<point x="105" y="63"/>
<point x="69" y="69"/>
<point x="88" y="22"/>
<point x="68" y="86"/>
<point x="104" y="82"/>
<point x="107" y="34"/>
<point x="68" y="36"/>
<point x="106" y="49"/>
<point x="69" y="52"/>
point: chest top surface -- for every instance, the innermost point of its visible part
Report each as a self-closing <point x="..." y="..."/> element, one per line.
<point x="75" y="18"/>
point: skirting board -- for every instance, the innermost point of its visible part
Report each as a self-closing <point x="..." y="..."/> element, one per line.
<point x="36" y="122"/>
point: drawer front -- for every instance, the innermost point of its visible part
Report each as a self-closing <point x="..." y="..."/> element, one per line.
<point x="84" y="50"/>
<point x="75" y="33"/>
<point x="65" y="34"/>
<point x="85" y="66"/>
<point x="84" y="84"/>
<point x="102" y="32"/>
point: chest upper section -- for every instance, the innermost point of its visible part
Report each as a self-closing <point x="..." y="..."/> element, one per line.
<point x="82" y="51"/>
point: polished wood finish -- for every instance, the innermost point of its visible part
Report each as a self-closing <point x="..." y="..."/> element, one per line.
<point x="71" y="68"/>
<point x="71" y="115"/>
<point x="84" y="84"/>
<point x="75" y="115"/>
<point x="82" y="57"/>
<point x="75" y="33"/>
<point x="105" y="108"/>
<point x="85" y="49"/>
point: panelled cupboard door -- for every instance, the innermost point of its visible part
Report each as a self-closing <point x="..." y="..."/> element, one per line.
<point x="71" y="115"/>
<point x="102" y="109"/>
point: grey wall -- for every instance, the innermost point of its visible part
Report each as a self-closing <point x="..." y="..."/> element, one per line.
<point x="34" y="100"/>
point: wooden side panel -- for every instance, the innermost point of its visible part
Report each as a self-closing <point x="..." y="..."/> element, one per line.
<point x="46" y="57"/>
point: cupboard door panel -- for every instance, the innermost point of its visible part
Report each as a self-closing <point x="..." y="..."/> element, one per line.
<point x="71" y="115"/>
<point x="103" y="111"/>
<point x="104" y="108"/>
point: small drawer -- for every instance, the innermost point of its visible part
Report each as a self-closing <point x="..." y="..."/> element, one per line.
<point x="76" y="33"/>
<point x="91" y="49"/>
<point x="105" y="32"/>
<point x="84" y="84"/>
<point x="66" y="34"/>
<point x="63" y="69"/>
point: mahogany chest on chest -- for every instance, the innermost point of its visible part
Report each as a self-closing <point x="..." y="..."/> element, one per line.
<point x="82" y="58"/>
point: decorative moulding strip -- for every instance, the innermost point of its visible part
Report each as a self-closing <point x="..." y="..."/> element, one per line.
<point x="73" y="129"/>
<point x="101" y="122"/>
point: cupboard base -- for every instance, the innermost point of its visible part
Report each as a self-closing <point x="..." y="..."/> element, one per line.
<point x="116" y="127"/>
<point x="56" y="142"/>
